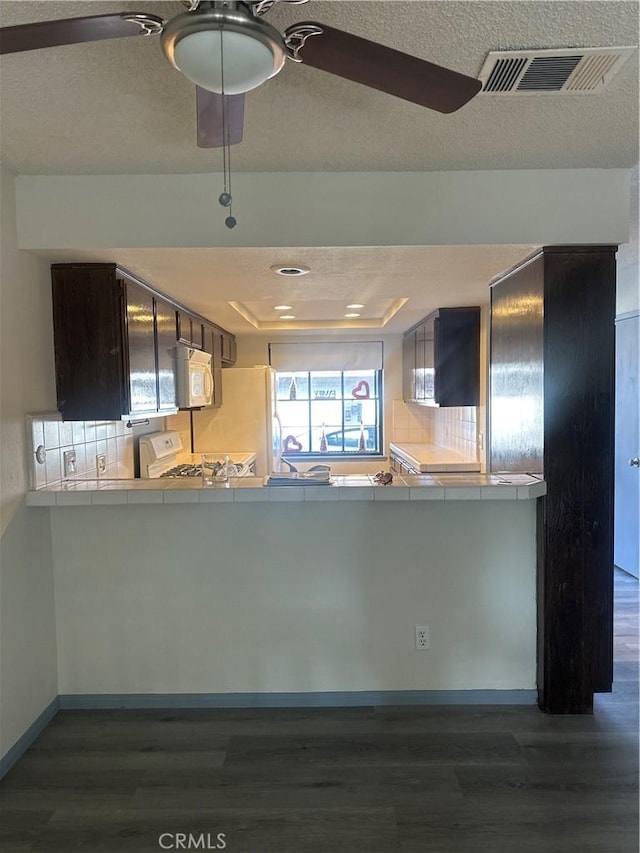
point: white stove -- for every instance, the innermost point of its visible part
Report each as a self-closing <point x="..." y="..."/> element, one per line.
<point x="159" y="453"/>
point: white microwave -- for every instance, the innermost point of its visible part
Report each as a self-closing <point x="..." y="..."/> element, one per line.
<point x="195" y="377"/>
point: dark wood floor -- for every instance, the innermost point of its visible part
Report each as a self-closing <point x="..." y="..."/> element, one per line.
<point x="380" y="780"/>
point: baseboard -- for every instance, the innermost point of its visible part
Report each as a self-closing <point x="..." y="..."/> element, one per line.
<point x="23" y="743"/>
<point x="298" y="700"/>
<point x="338" y="699"/>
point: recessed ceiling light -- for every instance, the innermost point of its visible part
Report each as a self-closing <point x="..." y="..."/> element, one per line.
<point x="355" y="305"/>
<point x="283" y="307"/>
<point x="287" y="316"/>
<point x="289" y="269"/>
<point x="351" y="315"/>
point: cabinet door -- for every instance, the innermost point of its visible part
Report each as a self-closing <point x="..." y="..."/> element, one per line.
<point x="197" y="334"/>
<point x="183" y="327"/>
<point x="189" y="329"/>
<point x="228" y="348"/>
<point x="429" y="361"/>
<point x="166" y="355"/>
<point x="457" y="357"/>
<point x="143" y="391"/>
<point x="89" y="342"/>
<point x="409" y="367"/>
<point x="421" y="385"/>
<point x="213" y="345"/>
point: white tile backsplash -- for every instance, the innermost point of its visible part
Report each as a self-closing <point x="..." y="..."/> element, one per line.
<point x="412" y="423"/>
<point x="453" y="427"/>
<point x="77" y="428"/>
<point x="65" y="429"/>
<point x="36" y="429"/>
<point x="53" y="466"/>
<point x="116" y="441"/>
<point x="51" y="434"/>
<point x="81" y="458"/>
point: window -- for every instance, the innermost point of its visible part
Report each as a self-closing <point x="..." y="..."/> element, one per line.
<point x="330" y="412"/>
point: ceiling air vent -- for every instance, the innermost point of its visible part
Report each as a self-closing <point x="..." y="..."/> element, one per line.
<point x="578" y="70"/>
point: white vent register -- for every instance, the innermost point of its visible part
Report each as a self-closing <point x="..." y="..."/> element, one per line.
<point x="575" y="71"/>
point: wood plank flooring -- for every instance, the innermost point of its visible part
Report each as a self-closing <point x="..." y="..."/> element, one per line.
<point x="382" y="780"/>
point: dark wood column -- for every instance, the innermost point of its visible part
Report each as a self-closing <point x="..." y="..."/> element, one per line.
<point x="553" y="355"/>
<point x="575" y="642"/>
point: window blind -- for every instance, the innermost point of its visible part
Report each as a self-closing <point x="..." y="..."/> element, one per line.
<point x="333" y="355"/>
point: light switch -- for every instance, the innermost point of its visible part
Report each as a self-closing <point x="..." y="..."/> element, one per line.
<point x="70" y="465"/>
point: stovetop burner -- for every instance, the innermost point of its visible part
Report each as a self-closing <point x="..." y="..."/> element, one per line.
<point x="184" y="470"/>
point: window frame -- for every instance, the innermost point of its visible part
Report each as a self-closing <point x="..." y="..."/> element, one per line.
<point x="344" y="453"/>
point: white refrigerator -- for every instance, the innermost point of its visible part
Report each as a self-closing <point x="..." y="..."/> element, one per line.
<point x="246" y="421"/>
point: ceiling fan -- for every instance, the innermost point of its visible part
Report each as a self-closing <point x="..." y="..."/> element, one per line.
<point x="227" y="49"/>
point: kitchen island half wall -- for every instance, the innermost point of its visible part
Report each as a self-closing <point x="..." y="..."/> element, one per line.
<point x="244" y="602"/>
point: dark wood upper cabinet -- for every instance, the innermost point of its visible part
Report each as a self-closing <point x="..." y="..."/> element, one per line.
<point x="141" y="349"/>
<point x="189" y="329"/>
<point x="90" y="342"/>
<point x="228" y="349"/>
<point x="213" y="345"/>
<point x="114" y="341"/>
<point x="441" y="359"/>
<point x="409" y="366"/>
<point x="166" y="354"/>
<point x="183" y="327"/>
<point x="197" y="333"/>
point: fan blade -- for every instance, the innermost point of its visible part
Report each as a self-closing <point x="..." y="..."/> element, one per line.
<point x="212" y="109"/>
<point x="384" y="68"/>
<point x="75" y="30"/>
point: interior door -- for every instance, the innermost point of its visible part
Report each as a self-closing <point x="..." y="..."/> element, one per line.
<point x="627" y="477"/>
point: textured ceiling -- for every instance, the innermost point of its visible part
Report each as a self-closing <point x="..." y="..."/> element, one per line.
<point x="119" y="107"/>
<point x="208" y="280"/>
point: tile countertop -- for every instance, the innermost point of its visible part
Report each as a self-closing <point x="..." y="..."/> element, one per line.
<point x="432" y="458"/>
<point x="252" y="489"/>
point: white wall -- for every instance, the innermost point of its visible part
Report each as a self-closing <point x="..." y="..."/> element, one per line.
<point x="628" y="289"/>
<point x="326" y="209"/>
<point x="28" y="675"/>
<point x="295" y="597"/>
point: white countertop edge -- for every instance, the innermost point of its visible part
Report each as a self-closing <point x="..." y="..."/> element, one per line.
<point x="432" y="458"/>
<point x="252" y="490"/>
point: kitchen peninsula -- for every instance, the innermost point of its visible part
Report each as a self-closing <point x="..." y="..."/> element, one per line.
<point x="417" y="487"/>
<point x="168" y="593"/>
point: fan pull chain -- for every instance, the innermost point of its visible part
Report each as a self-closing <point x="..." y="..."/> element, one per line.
<point x="225" y="197"/>
<point x="230" y="221"/>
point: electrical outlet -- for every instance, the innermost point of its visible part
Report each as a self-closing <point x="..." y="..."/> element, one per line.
<point x="422" y="637"/>
<point x="480" y="441"/>
<point x="101" y="463"/>
<point x="70" y="464"/>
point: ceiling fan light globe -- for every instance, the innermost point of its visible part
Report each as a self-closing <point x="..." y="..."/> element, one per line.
<point x="248" y="62"/>
<point x="252" y="50"/>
